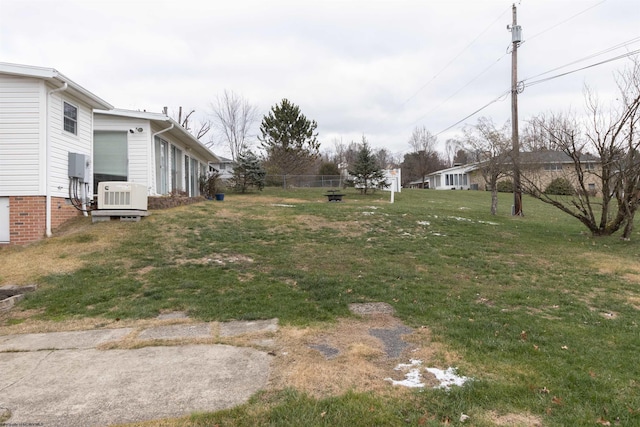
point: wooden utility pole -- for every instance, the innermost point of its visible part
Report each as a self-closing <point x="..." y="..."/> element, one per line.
<point x="516" y="39"/>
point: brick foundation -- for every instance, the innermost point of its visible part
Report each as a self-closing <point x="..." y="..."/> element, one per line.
<point x="27" y="219"/>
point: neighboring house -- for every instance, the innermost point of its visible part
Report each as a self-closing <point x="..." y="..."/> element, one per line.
<point x="225" y="167"/>
<point x="454" y="178"/>
<point x="45" y="119"/>
<point x="538" y="168"/>
<point x="150" y="149"/>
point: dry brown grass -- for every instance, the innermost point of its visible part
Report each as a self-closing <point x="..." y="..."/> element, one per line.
<point x="514" y="420"/>
<point x="63" y="253"/>
<point x="361" y="364"/>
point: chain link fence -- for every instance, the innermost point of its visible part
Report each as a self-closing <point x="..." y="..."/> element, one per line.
<point x="305" y="181"/>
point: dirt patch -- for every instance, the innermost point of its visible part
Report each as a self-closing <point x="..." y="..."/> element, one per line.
<point x="634" y="301"/>
<point x="63" y="253"/>
<point x="606" y="264"/>
<point x="515" y="420"/>
<point x="315" y="223"/>
<point x="358" y="360"/>
<point x="219" y="259"/>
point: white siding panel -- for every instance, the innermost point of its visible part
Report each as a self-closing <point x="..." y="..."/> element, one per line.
<point x="63" y="142"/>
<point x="21" y="138"/>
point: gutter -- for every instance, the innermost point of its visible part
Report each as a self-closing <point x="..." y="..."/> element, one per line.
<point x="48" y="160"/>
<point x="153" y="156"/>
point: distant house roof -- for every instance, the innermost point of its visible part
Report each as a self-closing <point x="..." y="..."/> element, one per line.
<point x="223" y="159"/>
<point x="57" y="79"/>
<point x="458" y="169"/>
<point x="553" y="156"/>
<point x="177" y="131"/>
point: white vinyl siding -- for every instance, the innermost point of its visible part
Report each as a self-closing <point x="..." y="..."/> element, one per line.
<point x="63" y="142"/>
<point x="21" y="136"/>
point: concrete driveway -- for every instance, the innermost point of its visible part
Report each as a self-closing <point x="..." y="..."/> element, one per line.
<point x="63" y="379"/>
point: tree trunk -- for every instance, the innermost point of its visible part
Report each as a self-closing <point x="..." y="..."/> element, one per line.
<point x="494" y="200"/>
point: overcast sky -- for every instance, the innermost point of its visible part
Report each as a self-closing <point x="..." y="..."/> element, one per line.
<point x="373" y="68"/>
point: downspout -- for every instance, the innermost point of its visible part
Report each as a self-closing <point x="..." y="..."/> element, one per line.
<point x="153" y="155"/>
<point x="48" y="161"/>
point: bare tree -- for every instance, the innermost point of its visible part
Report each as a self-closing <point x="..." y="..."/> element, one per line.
<point x="233" y="118"/>
<point x="611" y="134"/>
<point x="423" y="144"/>
<point x="490" y="148"/>
<point x="451" y="147"/>
<point x="197" y="128"/>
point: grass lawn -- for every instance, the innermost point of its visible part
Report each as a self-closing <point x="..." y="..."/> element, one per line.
<point x="543" y="316"/>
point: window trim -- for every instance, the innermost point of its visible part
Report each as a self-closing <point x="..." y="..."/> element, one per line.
<point x="65" y="118"/>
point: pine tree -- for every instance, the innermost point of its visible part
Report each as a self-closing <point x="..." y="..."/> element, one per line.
<point x="366" y="172"/>
<point x="248" y="173"/>
<point x="289" y="139"/>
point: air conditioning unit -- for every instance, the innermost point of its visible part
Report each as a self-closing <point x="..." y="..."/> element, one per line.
<point x="122" y="195"/>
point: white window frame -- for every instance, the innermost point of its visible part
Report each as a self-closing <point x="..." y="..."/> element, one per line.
<point x="73" y="120"/>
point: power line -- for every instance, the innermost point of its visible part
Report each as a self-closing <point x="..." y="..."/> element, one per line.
<point x="454" y="59"/>
<point x="625" y="55"/>
<point x="565" y="21"/>
<point x="602" y="52"/>
<point x="499" y="98"/>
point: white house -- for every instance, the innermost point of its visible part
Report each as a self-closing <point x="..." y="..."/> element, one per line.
<point x="225" y="167"/>
<point x="45" y="119"/>
<point x="150" y="149"/>
<point x="454" y="178"/>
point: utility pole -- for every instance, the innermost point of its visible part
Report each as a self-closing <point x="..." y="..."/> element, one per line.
<point x="516" y="39"/>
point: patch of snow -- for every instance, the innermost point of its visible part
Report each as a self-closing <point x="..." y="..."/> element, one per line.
<point x="424" y="223"/>
<point x="282" y="205"/>
<point x="367" y="213"/>
<point x="488" y="222"/>
<point x="448" y="377"/>
<point x="413" y="378"/>
<point x="459" y="218"/>
<point x="438" y="234"/>
<point x="372" y="207"/>
<point x="463" y="208"/>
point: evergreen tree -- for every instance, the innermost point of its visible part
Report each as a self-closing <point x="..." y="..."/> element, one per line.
<point x="248" y="173"/>
<point x="289" y="139"/>
<point x="366" y="171"/>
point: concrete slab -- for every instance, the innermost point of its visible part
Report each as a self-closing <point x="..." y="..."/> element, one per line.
<point x="232" y="329"/>
<point x="97" y="388"/>
<point x="200" y="330"/>
<point x="62" y="340"/>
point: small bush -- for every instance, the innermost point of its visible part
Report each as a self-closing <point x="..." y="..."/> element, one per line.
<point x="560" y="187"/>
<point x="505" y="186"/>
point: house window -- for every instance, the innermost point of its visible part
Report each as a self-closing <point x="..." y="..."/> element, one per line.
<point x="162" y="166"/>
<point x="176" y="168"/>
<point x="553" y="167"/>
<point x="110" y="157"/>
<point x="193" y="178"/>
<point x="588" y="166"/>
<point x="70" y="118"/>
<point x="592" y="187"/>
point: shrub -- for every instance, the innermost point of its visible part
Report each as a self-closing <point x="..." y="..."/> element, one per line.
<point x="505" y="186"/>
<point x="560" y="187"/>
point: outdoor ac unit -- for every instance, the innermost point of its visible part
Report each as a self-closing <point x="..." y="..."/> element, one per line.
<point x="122" y="195"/>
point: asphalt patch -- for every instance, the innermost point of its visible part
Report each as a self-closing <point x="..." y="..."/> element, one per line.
<point x="392" y="339"/>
